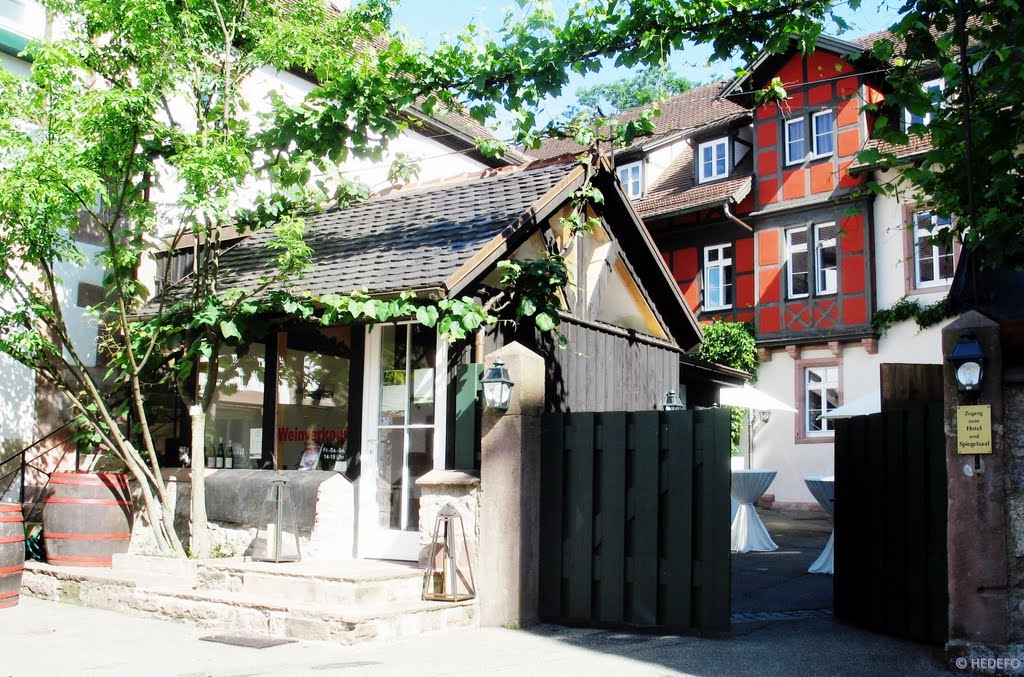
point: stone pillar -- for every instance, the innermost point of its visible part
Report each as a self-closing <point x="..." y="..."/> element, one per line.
<point x="462" y="490"/>
<point x="976" y="513"/>
<point x="510" y="498"/>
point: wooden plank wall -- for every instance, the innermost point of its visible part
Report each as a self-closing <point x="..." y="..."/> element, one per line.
<point x="890" y="523"/>
<point x="604" y="371"/>
<point x="635" y="526"/>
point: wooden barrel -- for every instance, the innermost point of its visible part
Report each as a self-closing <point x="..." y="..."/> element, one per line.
<point x="12" y="553"/>
<point x="87" y="518"/>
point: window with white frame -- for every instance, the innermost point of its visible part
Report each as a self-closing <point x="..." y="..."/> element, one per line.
<point x="934" y="89"/>
<point x="823" y="124"/>
<point x="631" y="178"/>
<point x="933" y="262"/>
<point x="796" y="140"/>
<point x="718" y="277"/>
<point x="712" y="160"/>
<point x="797" y="263"/>
<point x="826" y="264"/>
<point x="821" y="395"/>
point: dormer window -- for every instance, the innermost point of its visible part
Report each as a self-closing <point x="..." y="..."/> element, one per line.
<point x="631" y="177"/>
<point x="934" y="89"/>
<point x="712" y="160"/>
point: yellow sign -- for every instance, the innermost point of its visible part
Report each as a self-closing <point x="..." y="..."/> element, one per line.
<point x="974" y="429"/>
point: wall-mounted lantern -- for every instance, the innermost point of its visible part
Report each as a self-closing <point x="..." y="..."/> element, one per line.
<point x="673" y="402"/>
<point x="968" y="363"/>
<point x="497" y="387"/>
<point x="765" y="415"/>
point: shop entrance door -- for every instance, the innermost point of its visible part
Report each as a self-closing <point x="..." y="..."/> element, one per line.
<point x="403" y="435"/>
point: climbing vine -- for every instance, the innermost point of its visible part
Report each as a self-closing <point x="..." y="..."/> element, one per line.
<point x="732" y="344"/>
<point x="910" y="309"/>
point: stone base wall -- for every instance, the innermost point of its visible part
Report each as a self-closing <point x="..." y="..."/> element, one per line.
<point x="462" y="490"/>
<point x="332" y="536"/>
<point x="1013" y="437"/>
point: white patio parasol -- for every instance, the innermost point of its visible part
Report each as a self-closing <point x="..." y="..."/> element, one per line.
<point x="749" y="397"/>
<point x="866" y="404"/>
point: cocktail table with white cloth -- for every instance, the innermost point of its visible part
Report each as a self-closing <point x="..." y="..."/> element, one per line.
<point x="748" y="532"/>
<point x="823" y="488"/>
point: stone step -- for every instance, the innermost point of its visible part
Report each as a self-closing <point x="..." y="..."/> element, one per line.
<point x="323" y="583"/>
<point x="241" y="611"/>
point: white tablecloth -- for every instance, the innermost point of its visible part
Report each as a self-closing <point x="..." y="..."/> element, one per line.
<point x="748" y="532"/>
<point x="823" y="489"/>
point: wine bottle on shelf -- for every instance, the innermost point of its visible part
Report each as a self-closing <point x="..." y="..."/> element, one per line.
<point x="229" y="456"/>
<point x="220" y="453"/>
<point x="211" y="455"/>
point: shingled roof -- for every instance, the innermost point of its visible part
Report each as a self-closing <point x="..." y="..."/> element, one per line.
<point x="688" y="111"/>
<point x="677" y="190"/>
<point x="413" y="239"/>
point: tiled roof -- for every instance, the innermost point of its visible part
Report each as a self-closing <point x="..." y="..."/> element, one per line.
<point x="916" y="145"/>
<point x="677" y="189"/>
<point x="408" y="239"/>
<point x="689" y="110"/>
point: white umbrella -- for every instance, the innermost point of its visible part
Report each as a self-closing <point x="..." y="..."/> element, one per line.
<point x="749" y="397"/>
<point x="866" y="404"/>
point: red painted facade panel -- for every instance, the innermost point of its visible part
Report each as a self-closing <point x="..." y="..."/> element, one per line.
<point x="744" y="257"/>
<point x="767" y="134"/>
<point x="853" y="237"/>
<point x="768" y="110"/>
<point x="794" y="184"/>
<point x="847" y="180"/>
<point x="848" y="113"/>
<point x="854" y="311"/>
<point x="819" y="95"/>
<point x="768" y="320"/>
<point x="795" y="101"/>
<point x="823" y="66"/>
<point x="848" y="142"/>
<point x="823" y="178"/>
<point x="744" y="291"/>
<point x="769" y="284"/>
<point x="767" y="162"/>
<point x="691" y="292"/>
<point x="767" y="191"/>
<point x="684" y="264"/>
<point x="853" y="273"/>
<point x="847" y="87"/>
<point x="768" y="248"/>
<point x="793" y="70"/>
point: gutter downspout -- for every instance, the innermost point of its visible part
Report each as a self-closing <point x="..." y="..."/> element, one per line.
<point x="732" y="217"/>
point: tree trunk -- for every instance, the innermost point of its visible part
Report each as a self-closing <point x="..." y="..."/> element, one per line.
<point x="200" y="540"/>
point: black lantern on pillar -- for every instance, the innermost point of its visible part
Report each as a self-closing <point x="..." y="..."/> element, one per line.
<point x="497" y="387"/>
<point x="968" y="363"/>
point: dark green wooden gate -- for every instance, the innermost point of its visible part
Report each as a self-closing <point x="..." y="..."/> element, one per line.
<point x="635" y="519"/>
<point x="890" y="523"/>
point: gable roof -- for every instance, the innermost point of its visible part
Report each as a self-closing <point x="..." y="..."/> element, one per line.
<point x="685" y="112"/>
<point x="442" y="239"/>
<point x="413" y="239"/>
<point x="676" y="191"/>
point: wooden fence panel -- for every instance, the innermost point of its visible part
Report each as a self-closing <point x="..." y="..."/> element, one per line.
<point x="890" y="523"/>
<point x="635" y="527"/>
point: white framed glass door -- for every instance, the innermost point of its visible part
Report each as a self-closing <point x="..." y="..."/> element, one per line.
<point x="403" y="435"/>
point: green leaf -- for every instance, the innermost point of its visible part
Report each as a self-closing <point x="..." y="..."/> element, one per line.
<point x="545" y="322"/>
<point x="427" y="315"/>
<point x="229" y="330"/>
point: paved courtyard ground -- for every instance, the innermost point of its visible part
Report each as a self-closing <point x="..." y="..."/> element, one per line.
<point x="782" y="626"/>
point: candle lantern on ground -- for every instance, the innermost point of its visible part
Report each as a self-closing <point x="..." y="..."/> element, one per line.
<point x="449" y="575"/>
<point x="277" y="538"/>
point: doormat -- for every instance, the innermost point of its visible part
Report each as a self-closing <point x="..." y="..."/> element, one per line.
<point x="249" y="641"/>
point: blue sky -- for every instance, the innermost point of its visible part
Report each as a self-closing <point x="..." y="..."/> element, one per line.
<point x="430" y="20"/>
